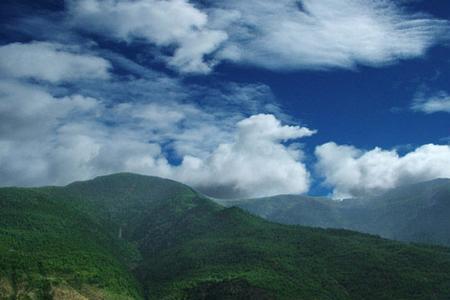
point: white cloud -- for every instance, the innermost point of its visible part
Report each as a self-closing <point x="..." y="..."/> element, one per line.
<point x="354" y="172"/>
<point x="50" y="62"/>
<point x="440" y="102"/>
<point x="291" y="34"/>
<point x="47" y="139"/>
<point x="27" y="110"/>
<point x="256" y="163"/>
<point x="187" y="119"/>
<point x="278" y="35"/>
<point x="55" y="140"/>
<point x="161" y="22"/>
<point x="30" y="119"/>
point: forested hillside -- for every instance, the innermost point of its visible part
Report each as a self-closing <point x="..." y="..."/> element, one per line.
<point x="128" y="236"/>
<point x="414" y="213"/>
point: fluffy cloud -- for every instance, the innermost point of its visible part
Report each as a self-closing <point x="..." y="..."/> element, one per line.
<point x="440" y="102"/>
<point x="290" y="34"/>
<point x="164" y="23"/>
<point x="27" y="111"/>
<point x="55" y="140"/>
<point x="354" y="172"/>
<point x="255" y="163"/>
<point x="50" y="62"/>
<point x="47" y="139"/>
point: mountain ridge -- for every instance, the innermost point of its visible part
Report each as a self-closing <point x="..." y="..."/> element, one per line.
<point x="177" y="244"/>
<point x="392" y="214"/>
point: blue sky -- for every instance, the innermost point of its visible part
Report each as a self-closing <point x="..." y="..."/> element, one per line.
<point x="238" y="99"/>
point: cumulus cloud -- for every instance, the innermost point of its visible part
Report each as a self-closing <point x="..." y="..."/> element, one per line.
<point x="290" y="34"/>
<point x="55" y="140"/>
<point x="47" y="139"/>
<point x="255" y="163"/>
<point x="165" y="23"/>
<point x="50" y="62"/>
<point x="27" y="110"/>
<point x="439" y="102"/>
<point x="353" y="172"/>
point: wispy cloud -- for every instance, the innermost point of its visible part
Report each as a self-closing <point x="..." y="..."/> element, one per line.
<point x="438" y="102"/>
<point x="278" y="35"/>
<point x="174" y="23"/>
<point x="310" y="34"/>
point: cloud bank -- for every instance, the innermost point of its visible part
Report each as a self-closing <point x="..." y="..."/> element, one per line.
<point x="353" y="172"/>
<point x="50" y="140"/>
<point x="57" y="127"/>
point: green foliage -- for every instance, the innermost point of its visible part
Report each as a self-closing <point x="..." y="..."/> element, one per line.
<point x="176" y="244"/>
<point x="45" y="242"/>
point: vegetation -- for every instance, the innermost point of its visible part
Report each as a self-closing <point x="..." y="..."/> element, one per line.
<point x="129" y="236"/>
<point x="415" y="213"/>
<point x="45" y="244"/>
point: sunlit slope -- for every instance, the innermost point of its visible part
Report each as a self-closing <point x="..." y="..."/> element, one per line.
<point x="134" y="236"/>
<point x="47" y="249"/>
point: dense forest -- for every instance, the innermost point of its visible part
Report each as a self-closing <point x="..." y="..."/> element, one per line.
<point x="128" y="236"/>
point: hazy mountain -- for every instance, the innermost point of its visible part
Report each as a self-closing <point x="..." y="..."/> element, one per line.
<point x="127" y="236"/>
<point x="419" y="212"/>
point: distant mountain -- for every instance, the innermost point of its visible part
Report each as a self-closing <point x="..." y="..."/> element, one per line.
<point x="416" y="213"/>
<point x="128" y="236"/>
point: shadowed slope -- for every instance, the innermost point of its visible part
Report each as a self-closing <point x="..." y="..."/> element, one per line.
<point x="417" y="213"/>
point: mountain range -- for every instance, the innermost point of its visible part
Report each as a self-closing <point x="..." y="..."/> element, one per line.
<point x="128" y="236"/>
<point x="414" y="213"/>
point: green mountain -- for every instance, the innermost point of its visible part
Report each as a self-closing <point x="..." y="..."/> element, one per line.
<point x="128" y="236"/>
<point x="417" y="213"/>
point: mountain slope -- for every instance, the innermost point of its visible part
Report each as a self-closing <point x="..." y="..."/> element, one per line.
<point x="48" y="248"/>
<point x="418" y="213"/>
<point x="134" y="236"/>
<point x="292" y="209"/>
